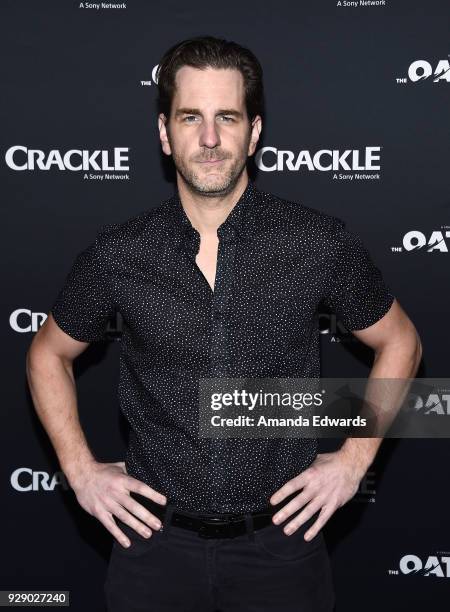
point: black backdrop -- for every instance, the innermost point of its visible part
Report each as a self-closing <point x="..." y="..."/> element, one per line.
<point x="371" y="78"/>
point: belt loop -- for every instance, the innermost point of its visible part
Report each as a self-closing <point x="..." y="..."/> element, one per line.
<point x="167" y="519"/>
<point x="249" y="526"/>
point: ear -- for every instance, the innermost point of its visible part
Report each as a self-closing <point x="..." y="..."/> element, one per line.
<point x="162" y="121"/>
<point x="254" y="137"/>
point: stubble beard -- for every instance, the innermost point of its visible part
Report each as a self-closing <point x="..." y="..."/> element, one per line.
<point x="221" y="184"/>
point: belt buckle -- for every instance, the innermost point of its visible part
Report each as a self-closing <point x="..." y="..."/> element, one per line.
<point x="205" y="530"/>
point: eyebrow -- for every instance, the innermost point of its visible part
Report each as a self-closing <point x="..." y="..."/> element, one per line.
<point x="196" y="111"/>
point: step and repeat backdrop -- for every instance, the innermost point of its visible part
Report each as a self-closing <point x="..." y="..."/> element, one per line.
<point x="358" y="126"/>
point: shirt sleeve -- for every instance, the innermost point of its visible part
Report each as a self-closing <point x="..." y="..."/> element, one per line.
<point x="84" y="304"/>
<point x="359" y="295"/>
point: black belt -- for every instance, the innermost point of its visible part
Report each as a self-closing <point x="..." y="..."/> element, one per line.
<point x="209" y="525"/>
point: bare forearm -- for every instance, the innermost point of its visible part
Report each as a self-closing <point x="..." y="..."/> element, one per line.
<point x="53" y="390"/>
<point x="394" y="362"/>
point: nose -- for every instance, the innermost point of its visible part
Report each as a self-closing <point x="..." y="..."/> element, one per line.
<point x="209" y="134"/>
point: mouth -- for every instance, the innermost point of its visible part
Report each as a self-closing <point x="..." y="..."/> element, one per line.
<point x="211" y="162"/>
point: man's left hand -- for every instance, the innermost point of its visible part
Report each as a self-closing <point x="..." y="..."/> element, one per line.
<point x="327" y="484"/>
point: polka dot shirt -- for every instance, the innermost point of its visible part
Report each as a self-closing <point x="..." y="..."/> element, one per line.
<point x="278" y="261"/>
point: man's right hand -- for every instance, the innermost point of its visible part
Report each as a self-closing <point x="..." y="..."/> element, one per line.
<point x="103" y="490"/>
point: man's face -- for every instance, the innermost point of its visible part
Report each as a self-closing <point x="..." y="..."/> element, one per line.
<point x="209" y="134"/>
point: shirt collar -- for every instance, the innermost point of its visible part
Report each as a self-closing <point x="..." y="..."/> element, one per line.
<point x="236" y="225"/>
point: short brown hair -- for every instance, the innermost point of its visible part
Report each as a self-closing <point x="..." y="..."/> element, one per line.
<point x="204" y="52"/>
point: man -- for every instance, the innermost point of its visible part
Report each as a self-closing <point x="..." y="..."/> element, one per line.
<point x="221" y="280"/>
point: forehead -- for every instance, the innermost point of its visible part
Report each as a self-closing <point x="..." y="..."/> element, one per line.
<point x="211" y="87"/>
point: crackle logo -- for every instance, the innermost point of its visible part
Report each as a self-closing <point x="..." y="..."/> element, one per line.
<point x="154" y="78"/>
<point x="330" y="325"/>
<point x="422" y="70"/>
<point x="271" y="159"/>
<point x="433" y="565"/>
<point x="21" y="158"/>
<point x="25" y="479"/>
<point x="436" y="241"/>
<point x="25" y="321"/>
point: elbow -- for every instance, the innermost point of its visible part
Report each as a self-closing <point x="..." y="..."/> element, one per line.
<point x="37" y="358"/>
<point x="405" y="349"/>
<point x="413" y="350"/>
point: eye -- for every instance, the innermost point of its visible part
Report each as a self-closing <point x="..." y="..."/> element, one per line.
<point x="188" y="118"/>
<point x="226" y="118"/>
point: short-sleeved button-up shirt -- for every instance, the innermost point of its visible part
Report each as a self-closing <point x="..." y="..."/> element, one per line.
<point x="277" y="262"/>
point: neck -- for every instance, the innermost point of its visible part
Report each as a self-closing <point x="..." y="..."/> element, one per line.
<point x="206" y="213"/>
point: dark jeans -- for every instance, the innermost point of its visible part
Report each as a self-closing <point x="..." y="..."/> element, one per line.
<point x="260" y="571"/>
